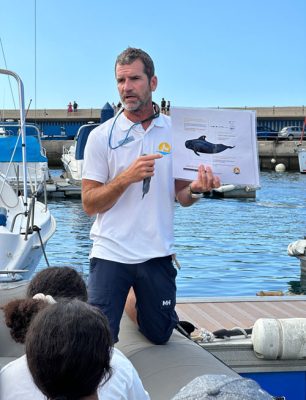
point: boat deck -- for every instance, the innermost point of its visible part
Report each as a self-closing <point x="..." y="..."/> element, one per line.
<point x="217" y="313"/>
<point x="59" y="186"/>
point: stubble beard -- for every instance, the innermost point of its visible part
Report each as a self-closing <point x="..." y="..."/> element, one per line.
<point x="138" y="105"/>
<point x="135" y="106"/>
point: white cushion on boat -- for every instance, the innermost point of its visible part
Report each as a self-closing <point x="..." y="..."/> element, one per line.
<point x="165" y="369"/>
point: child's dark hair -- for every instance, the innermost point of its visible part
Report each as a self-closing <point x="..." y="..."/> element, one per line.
<point x="18" y="315"/>
<point x="68" y="348"/>
<point x="58" y="282"/>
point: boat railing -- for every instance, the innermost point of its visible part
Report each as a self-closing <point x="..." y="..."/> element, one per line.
<point x="7" y="130"/>
<point x="35" y="176"/>
<point x="14" y="220"/>
<point x="15" y="271"/>
<point x="30" y="219"/>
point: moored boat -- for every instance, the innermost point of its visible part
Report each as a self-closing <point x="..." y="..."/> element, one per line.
<point x="72" y="157"/>
<point x="25" y="223"/>
<point x="301" y="151"/>
<point x="25" y="227"/>
<point x="11" y="157"/>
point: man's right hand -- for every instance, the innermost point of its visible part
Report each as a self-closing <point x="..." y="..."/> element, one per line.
<point x="98" y="197"/>
<point x="141" y="168"/>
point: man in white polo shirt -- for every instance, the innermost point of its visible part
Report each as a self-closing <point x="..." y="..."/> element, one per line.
<point x="128" y="184"/>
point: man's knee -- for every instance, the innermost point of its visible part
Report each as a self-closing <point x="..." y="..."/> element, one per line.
<point x="158" y="330"/>
<point x="157" y="337"/>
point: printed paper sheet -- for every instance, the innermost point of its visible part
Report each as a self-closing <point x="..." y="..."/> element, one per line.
<point x="223" y="139"/>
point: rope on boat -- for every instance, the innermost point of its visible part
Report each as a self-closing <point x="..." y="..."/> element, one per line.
<point x="37" y="229"/>
<point x="202" y="335"/>
<point x="236" y="331"/>
<point x="34" y="228"/>
<point x="205" y="336"/>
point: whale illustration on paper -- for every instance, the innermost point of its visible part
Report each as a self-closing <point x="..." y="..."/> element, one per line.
<point x="201" y="145"/>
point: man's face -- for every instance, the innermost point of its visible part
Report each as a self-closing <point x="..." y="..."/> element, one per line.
<point x="134" y="87"/>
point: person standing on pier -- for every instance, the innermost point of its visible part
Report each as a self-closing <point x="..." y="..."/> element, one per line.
<point x="69" y="109"/>
<point x="128" y="184"/>
<point x="163" y="106"/>
<point x="168" y="108"/>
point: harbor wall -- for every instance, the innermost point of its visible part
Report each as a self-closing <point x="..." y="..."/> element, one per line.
<point x="274" y="152"/>
<point x="271" y="153"/>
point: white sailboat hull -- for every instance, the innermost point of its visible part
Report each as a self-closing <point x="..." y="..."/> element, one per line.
<point x="73" y="167"/>
<point x="21" y="247"/>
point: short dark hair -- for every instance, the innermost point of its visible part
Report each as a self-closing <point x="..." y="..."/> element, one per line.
<point x="129" y="55"/>
<point x="58" y="282"/>
<point x="68" y="349"/>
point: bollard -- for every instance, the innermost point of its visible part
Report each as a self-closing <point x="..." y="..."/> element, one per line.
<point x="298" y="249"/>
<point x="303" y="272"/>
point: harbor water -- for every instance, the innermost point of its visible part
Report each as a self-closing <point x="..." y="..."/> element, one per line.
<point x="226" y="247"/>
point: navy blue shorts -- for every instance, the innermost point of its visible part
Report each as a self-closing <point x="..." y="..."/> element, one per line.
<point x="154" y="284"/>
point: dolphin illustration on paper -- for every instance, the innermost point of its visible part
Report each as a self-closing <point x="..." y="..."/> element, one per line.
<point x="201" y="145"/>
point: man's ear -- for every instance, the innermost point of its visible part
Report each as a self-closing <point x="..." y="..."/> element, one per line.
<point x="153" y="83"/>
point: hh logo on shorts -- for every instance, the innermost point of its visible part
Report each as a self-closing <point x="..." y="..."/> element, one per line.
<point x="166" y="303"/>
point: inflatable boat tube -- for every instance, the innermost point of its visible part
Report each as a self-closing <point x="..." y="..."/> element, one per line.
<point x="9" y="349"/>
<point x="165" y="369"/>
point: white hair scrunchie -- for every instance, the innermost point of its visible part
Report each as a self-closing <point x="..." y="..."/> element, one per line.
<point x="48" y="299"/>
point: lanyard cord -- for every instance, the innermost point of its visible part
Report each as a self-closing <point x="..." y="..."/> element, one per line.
<point x="122" y="142"/>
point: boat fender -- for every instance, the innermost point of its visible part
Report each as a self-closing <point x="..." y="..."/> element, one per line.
<point x="3" y="216"/>
<point x="279" y="338"/>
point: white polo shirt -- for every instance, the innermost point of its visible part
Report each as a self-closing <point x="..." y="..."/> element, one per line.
<point x="16" y="381"/>
<point x="135" y="229"/>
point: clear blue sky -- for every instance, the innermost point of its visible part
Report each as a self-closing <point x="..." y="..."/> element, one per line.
<point x="207" y="53"/>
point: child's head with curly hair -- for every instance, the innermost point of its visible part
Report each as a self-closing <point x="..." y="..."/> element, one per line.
<point x="59" y="282"/>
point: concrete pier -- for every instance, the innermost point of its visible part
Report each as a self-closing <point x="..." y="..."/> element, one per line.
<point x="273" y="152"/>
<point x="282" y="151"/>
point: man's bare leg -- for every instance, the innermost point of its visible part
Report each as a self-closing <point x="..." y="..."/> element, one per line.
<point x="130" y="306"/>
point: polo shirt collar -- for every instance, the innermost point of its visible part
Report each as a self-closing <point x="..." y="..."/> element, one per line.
<point x="124" y="123"/>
